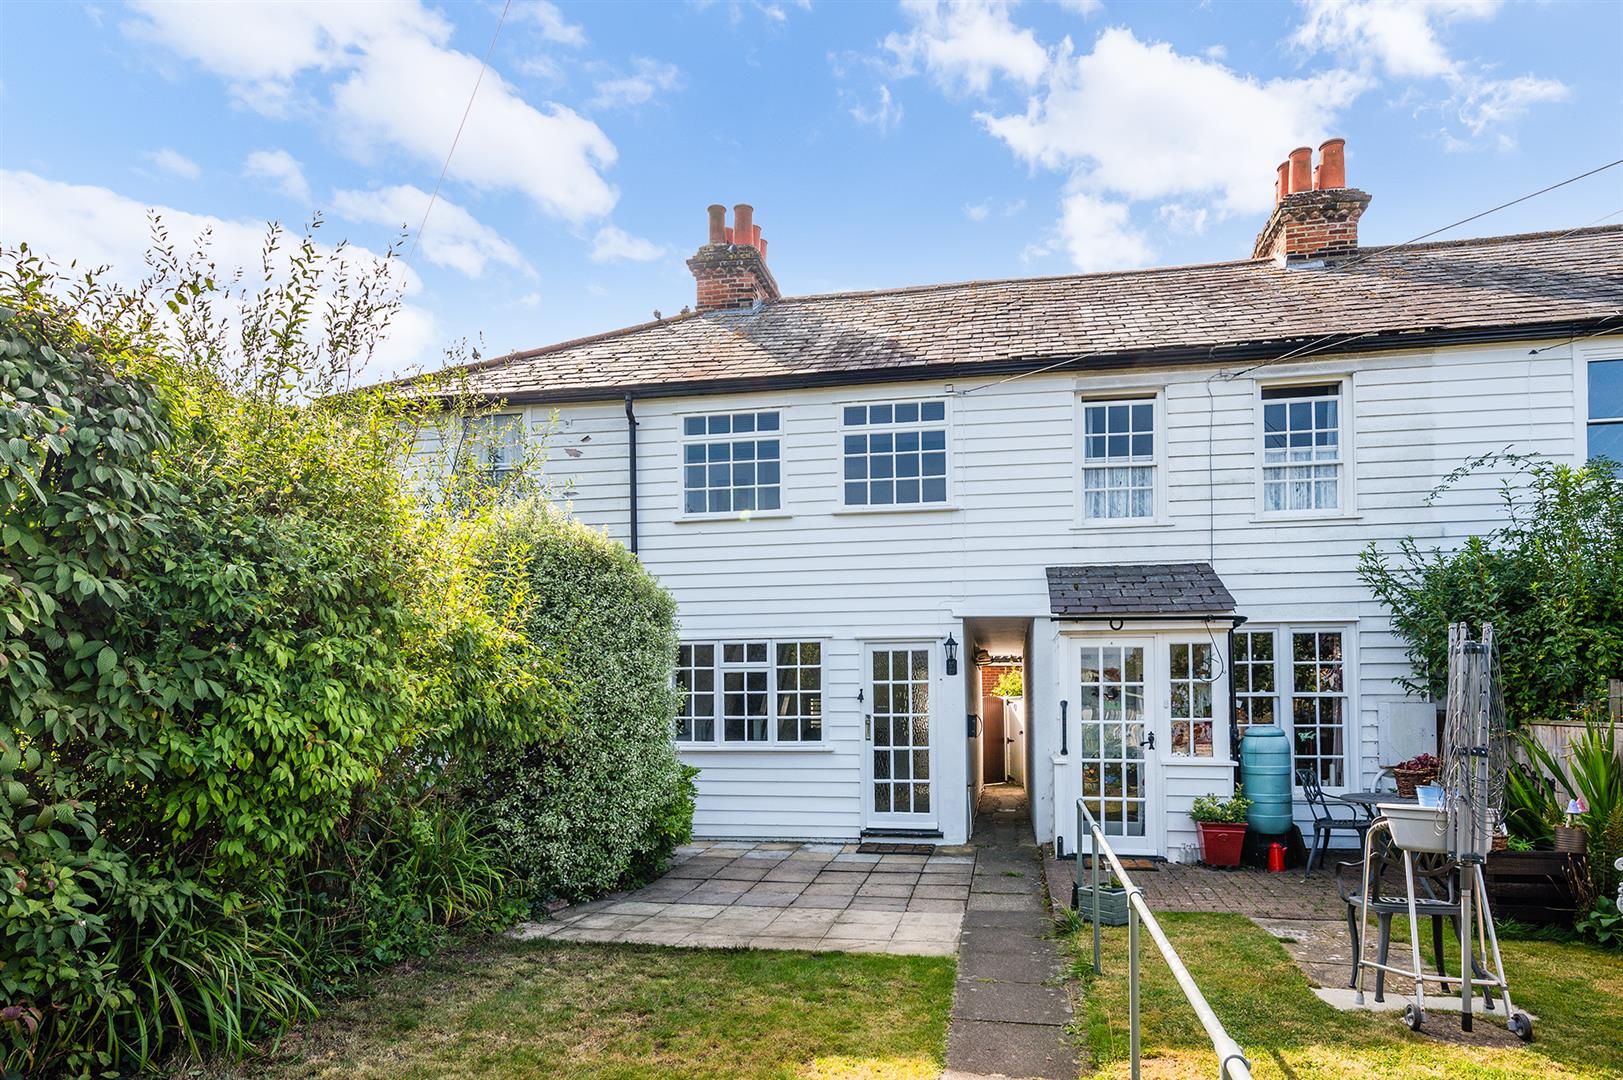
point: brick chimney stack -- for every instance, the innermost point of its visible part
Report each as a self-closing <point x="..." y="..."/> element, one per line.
<point x="730" y="268"/>
<point x="1315" y="212"/>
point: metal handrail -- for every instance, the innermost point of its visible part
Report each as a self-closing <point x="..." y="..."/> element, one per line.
<point x="1232" y="1064"/>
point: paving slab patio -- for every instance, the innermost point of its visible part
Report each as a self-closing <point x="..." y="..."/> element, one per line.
<point x="778" y="895"/>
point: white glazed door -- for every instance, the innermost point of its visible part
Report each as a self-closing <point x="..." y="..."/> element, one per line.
<point x="899" y="775"/>
<point x="1118" y="734"/>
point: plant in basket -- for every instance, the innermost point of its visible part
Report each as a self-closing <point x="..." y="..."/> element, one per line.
<point x="1222" y="827"/>
<point x="1418" y="770"/>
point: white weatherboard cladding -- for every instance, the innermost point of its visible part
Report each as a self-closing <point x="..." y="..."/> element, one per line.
<point x="818" y="571"/>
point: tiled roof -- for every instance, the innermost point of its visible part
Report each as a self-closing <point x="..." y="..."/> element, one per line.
<point x="1076" y="592"/>
<point x="1543" y="282"/>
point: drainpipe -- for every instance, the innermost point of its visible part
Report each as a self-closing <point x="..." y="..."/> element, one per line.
<point x="631" y="444"/>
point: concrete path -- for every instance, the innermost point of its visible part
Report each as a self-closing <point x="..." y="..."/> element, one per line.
<point x="1011" y="1005"/>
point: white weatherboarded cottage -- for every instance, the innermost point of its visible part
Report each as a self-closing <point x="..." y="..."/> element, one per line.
<point x="1151" y="487"/>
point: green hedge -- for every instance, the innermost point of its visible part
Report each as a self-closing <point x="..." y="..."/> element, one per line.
<point x="584" y="814"/>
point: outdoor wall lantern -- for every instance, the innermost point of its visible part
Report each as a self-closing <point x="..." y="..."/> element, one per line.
<point x="952" y="656"/>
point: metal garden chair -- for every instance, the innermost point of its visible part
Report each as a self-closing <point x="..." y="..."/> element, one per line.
<point x="1325" y="819"/>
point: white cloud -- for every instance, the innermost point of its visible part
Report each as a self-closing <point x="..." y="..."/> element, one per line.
<point x="980" y="211"/>
<point x="551" y="22"/>
<point x="1183" y="217"/>
<point x="1098" y="235"/>
<point x="96" y="226"/>
<point x="1084" y="8"/>
<point x="452" y="237"/>
<point x="175" y="163"/>
<point x="884" y="114"/>
<point x="1142" y="121"/>
<point x="395" y="84"/>
<point x="616" y="245"/>
<point x="647" y="78"/>
<point x="279" y="169"/>
<point x="1406" y="40"/>
<point x="965" y="45"/>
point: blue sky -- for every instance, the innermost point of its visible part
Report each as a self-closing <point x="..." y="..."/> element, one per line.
<point x="881" y="144"/>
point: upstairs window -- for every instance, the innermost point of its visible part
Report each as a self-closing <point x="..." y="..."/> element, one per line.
<point x="1118" y="460"/>
<point x="731" y="462"/>
<point x="1605" y="434"/>
<point x="493" y="444"/>
<point x="750" y="693"/>
<point x="895" y="453"/>
<point x="1301" y="448"/>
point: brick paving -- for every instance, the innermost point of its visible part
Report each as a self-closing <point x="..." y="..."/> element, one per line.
<point x="724" y="894"/>
<point x="1249" y="892"/>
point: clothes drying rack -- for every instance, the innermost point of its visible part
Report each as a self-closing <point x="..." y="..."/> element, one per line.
<point x="1474" y="765"/>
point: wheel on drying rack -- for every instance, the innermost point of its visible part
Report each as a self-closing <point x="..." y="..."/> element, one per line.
<point x="1414" y="1017"/>
<point x="1521" y="1026"/>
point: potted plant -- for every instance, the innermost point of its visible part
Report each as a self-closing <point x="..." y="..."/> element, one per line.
<point x="1112" y="901"/>
<point x="1222" y="827"/>
<point x="1420" y="769"/>
<point x="1570" y="836"/>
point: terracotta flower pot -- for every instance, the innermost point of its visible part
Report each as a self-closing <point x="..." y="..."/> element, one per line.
<point x="1220" y="843"/>
<point x="1409" y="779"/>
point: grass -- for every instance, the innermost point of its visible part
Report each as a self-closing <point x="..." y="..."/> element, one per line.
<point x="1264" y="1001"/>
<point x="502" y="1010"/>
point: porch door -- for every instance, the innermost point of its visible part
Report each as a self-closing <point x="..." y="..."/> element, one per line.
<point x="900" y="772"/>
<point x="1117" y="742"/>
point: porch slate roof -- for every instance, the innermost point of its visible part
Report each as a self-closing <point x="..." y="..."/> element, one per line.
<point x="1530" y="285"/>
<point x="1142" y="589"/>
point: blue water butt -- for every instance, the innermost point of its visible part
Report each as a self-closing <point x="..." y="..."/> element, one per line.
<point x="1265" y="769"/>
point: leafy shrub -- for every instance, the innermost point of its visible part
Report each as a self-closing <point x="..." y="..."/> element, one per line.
<point x="1010" y="684"/>
<point x="1550" y="581"/>
<point x="1603" y="924"/>
<point x="1591" y="771"/>
<point x="1230" y="811"/>
<point x="579" y="815"/>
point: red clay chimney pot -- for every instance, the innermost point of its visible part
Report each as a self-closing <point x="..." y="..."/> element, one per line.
<point x="763" y="249"/>
<point x="1282" y="185"/>
<point x="755" y="237"/>
<point x="743" y="226"/>
<point x="728" y="233"/>
<point x="1301" y="162"/>
<point x="718" y="223"/>
<point x="1332" y="164"/>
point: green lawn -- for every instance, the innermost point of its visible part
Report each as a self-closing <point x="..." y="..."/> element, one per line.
<point x="1264" y="1001"/>
<point x="499" y="1010"/>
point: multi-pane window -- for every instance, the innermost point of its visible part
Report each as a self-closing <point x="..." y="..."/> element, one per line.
<point x="493" y="444"/>
<point x="1301" y="448"/>
<point x="1296" y="677"/>
<point x="1605" y="431"/>
<point x="1112" y="717"/>
<point x="800" y="691"/>
<point x="1118" y="460"/>
<point x="1318" y="698"/>
<point x="750" y="692"/>
<point x="1255" y="688"/>
<point x="1189" y="673"/>
<point x="901" y="731"/>
<point x="731" y="462"/>
<point x="895" y="453"/>
<point x="696" y="678"/>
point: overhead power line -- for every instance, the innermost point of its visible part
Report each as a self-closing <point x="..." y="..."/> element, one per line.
<point x="484" y="65"/>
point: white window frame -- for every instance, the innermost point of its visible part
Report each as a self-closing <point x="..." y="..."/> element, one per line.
<point x="498" y="423"/>
<point x="1171" y="679"/>
<point x="1156" y="397"/>
<point x="1272" y="665"/>
<point x="722" y="667"/>
<point x="684" y="440"/>
<point x="1582" y="358"/>
<point x="1348" y="483"/>
<point x="844" y="429"/>
<point x="1285" y="690"/>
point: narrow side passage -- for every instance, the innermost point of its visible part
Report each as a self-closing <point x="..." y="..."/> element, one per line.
<point x="1010" y="1008"/>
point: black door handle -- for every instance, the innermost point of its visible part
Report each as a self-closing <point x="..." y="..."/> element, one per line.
<point x="1149" y="740"/>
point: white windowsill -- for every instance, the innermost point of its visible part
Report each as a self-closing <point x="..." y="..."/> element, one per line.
<point x="930" y="508"/>
<point x="1111" y="524"/>
<point x="747" y="748"/>
<point x="1203" y="762"/>
<point x="1303" y="517"/>
<point x="743" y="517"/>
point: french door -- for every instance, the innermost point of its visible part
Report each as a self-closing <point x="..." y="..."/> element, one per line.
<point x="899" y="776"/>
<point x="1117" y="734"/>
